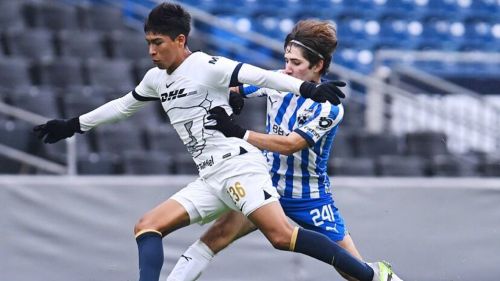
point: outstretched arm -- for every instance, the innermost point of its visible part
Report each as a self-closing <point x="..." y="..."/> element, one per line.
<point x="58" y="129"/>
<point x="326" y="91"/>
<point x="111" y="112"/>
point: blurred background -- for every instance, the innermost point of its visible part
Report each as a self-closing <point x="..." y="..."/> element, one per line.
<point x="416" y="159"/>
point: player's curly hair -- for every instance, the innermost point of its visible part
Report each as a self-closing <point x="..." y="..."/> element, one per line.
<point x="168" y="19"/>
<point x="320" y="36"/>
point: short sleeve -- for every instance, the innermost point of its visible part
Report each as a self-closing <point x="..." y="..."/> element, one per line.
<point x="147" y="88"/>
<point x="325" y="117"/>
<point x="221" y="71"/>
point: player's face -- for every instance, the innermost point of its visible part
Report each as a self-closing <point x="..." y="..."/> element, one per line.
<point x="298" y="66"/>
<point x="165" y="52"/>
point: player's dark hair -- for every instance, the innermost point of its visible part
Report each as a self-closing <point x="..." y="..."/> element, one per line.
<point x="319" y="38"/>
<point x="168" y="19"/>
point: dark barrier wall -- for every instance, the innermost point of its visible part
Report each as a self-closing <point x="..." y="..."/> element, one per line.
<point x="81" y="229"/>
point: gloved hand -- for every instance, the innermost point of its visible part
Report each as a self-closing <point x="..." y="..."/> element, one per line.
<point x="225" y="124"/>
<point x="57" y="129"/>
<point x="326" y="91"/>
<point x="236" y="102"/>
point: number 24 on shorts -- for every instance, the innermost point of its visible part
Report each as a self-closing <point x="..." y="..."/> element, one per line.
<point x="326" y="214"/>
<point x="237" y="191"/>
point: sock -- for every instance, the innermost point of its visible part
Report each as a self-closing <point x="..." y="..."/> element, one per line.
<point x="374" y="266"/>
<point x="149" y="243"/>
<point x="320" y="247"/>
<point x="192" y="263"/>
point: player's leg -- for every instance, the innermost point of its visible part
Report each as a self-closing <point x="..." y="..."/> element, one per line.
<point x="271" y="220"/>
<point x="223" y="232"/>
<point x="194" y="203"/>
<point x="149" y="231"/>
<point x="227" y="229"/>
<point x="248" y="188"/>
<point x="321" y="215"/>
<point x="348" y="244"/>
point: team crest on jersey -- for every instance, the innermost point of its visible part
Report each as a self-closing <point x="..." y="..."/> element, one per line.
<point x="303" y="116"/>
<point x="325" y="123"/>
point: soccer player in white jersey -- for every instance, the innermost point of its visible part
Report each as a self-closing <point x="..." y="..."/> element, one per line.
<point x="232" y="173"/>
<point x="300" y="135"/>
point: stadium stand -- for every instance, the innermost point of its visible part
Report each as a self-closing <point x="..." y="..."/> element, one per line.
<point x="127" y="45"/>
<point x="87" y="45"/>
<point x="114" y="74"/>
<point x="74" y="74"/>
<point x="147" y="163"/>
<point x="11" y="15"/>
<point x="400" y="166"/>
<point x="352" y="166"/>
<point x="98" y="164"/>
<point x="20" y="43"/>
<point x="60" y="73"/>
<point x="118" y="139"/>
<point x="51" y="15"/>
<point x="78" y="100"/>
<point x="40" y="100"/>
<point x="14" y="73"/>
<point x="102" y="17"/>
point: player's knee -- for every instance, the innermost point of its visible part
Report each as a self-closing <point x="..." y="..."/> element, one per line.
<point x="280" y="239"/>
<point x="144" y="223"/>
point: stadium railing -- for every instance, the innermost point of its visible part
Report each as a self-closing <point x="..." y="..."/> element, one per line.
<point x="469" y="119"/>
<point x="33" y="160"/>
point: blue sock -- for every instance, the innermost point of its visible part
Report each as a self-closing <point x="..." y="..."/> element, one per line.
<point x="150" y="255"/>
<point x="320" y="247"/>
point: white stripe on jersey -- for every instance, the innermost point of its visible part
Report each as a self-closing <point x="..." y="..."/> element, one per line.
<point x="302" y="174"/>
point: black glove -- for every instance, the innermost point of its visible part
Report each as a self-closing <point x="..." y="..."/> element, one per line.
<point x="236" y="102"/>
<point x="57" y="129"/>
<point x="326" y="91"/>
<point x="225" y="124"/>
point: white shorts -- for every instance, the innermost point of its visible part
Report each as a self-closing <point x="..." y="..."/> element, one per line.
<point x="241" y="183"/>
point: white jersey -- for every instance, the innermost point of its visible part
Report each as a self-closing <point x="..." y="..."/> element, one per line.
<point x="200" y="83"/>
<point x="304" y="173"/>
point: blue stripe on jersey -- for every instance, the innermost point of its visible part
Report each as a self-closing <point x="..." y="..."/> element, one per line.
<point x="291" y="158"/>
<point x="248" y="90"/>
<point x="322" y="150"/>
<point x="317" y="111"/>
<point x="278" y="119"/>
<point x="276" y="165"/>
<point x="320" y="167"/>
<point x="282" y="110"/>
<point x="306" y="188"/>
<point x="293" y="118"/>
<point x="289" y="176"/>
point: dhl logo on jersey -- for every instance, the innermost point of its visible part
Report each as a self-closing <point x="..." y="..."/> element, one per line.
<point x="172" y="95"/>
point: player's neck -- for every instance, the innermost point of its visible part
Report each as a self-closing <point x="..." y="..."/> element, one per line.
<point x="186" y="53"/>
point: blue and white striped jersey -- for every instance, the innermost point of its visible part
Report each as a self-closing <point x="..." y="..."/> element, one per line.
<point x="304" y="173"/>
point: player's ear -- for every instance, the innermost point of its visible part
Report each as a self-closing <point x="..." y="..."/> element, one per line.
<point x="181" y="40"/>
<point x="319" y="66"/>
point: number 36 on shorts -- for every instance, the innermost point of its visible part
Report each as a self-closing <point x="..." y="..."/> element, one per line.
<point x="237" y="192"/>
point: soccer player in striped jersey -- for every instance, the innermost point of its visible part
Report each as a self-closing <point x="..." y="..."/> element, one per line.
<point x="232" y="173"/>
<point x="300" y="135"/>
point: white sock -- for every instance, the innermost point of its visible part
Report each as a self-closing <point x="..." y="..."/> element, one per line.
<point x="192" y="263"/>
<point x="374" y="266"/>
